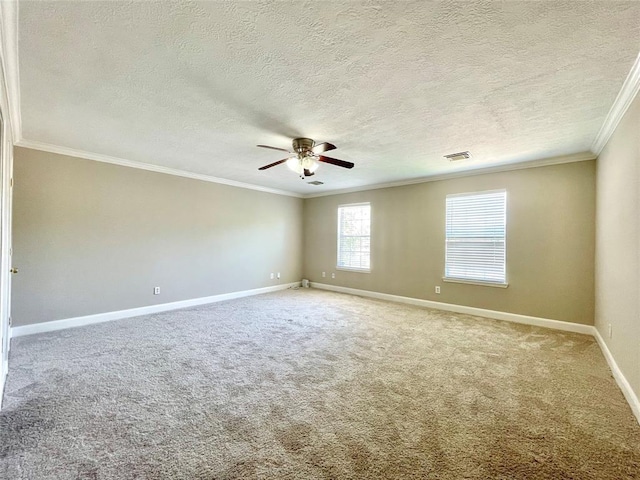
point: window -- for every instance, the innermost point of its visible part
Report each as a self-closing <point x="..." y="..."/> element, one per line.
<point x="354" y="236"/>
<point x="475" y="237"/>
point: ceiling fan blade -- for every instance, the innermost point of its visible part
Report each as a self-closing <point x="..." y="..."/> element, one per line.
<point x="308" y="173"/>
<point x="273" y="164"/>
<point x="335" y="161"/>
<point x="273" y="148"/>
<point x="323" y="147"/>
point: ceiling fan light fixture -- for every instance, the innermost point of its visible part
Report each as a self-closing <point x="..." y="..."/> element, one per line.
<point x="294" y="164"/>
<point x="301" y="163"/>
<point x="310" y="164"/>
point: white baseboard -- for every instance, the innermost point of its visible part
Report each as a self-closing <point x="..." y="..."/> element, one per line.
<point x="624" y="385"/>
<point x="622" y="382"/>
<point x="135" y="312"/>
<point x="480" y="312"/>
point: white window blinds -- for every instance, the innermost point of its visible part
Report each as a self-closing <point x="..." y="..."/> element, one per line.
<point x="475" y="237"/>
<point x="354" y="236"/>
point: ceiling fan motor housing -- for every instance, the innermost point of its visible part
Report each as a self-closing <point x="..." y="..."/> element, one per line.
<point x="302" y="145"/>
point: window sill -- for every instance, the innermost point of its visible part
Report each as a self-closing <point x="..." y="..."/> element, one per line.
<point x="357" y="270"/>
<point x="475" y="282"/>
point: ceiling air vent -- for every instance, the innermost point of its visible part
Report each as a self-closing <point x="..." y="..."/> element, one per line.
<point x="316" y="182"/>
<point x="454" y="157"/>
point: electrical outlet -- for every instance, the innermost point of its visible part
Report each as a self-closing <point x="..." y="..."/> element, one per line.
<point x="437" y="288"/>
<point x="333" y="275"/>
<point x="156" y="290"/>
<point x="272" y="276"/>
<point x="278" y="275"/>
<point x="324" y="274"/>
<point x="610" y="331"/>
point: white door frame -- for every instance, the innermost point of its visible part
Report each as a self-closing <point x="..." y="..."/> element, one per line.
<point x="10" y="133"/>
<point x="6" y="174"/>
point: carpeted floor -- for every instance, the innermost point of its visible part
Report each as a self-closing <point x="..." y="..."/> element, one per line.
<point x="306" y="384"/>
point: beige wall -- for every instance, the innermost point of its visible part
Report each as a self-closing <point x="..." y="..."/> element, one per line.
<point x="91" y="237"/>
<point x="550" y="242"/>
<point x="618" y="245"/>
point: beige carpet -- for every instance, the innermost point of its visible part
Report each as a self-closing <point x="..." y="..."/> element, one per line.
<point x="310" y="384"/>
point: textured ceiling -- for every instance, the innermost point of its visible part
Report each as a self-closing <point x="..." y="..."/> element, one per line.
<point x="395" y="85"/>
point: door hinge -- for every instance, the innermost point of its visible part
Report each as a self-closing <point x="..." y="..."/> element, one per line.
<point x="11" y="182"/>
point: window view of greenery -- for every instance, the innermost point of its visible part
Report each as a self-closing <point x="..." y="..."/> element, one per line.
<point x="475" y="237"/>
<point x="354" y="236"/>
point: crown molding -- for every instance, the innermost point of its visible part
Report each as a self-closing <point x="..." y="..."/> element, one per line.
<point x="71" y="152"/>
<point x="10" y="62"/>
<point x="46" y="147"/>
<point x="575" y="157"/>
<point x="627" y="93"/>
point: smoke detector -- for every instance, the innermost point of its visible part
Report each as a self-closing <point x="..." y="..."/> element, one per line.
<point x="454" y="157"/>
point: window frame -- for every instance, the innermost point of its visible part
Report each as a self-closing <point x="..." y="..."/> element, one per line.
<point x="339" y="236"/>
<point x="476" y="281"/>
